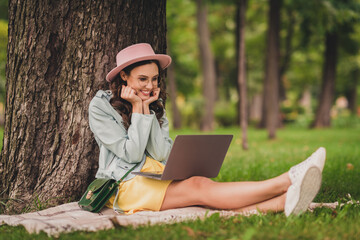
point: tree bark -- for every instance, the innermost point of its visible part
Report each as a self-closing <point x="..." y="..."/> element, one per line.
<point x="271" y="83"/>
<point x="207" y="67"/>
<point x="58" y="55"/>
<point x="241" y="13"/>
<point x="323" y="118"/>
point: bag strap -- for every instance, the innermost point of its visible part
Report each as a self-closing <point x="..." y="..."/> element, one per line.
<point x="121" y="179"/>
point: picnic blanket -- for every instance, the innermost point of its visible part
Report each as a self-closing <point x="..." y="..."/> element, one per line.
<point x="70" y="217"/>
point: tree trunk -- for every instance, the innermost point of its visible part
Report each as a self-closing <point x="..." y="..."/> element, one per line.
<point x="255" y="107"/>
<point x="322" y="118"/>
<point x="351" y="93"/>
<point x="173" y="93"/>
<point x="241" y="13"/>
<point x="58" y="55"/>
<point x="271" y="83"/>
<point x="207" y="67"/>
<point x="286" y="57"/>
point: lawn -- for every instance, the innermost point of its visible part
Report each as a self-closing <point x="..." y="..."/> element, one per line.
<point x="263" y="160"/>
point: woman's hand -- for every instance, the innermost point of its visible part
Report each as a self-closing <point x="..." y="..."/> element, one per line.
<point x="129" y="94"/>
<point x="153" y="98"/>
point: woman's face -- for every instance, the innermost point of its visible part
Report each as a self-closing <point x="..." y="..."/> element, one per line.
<point x="143" y="79"/>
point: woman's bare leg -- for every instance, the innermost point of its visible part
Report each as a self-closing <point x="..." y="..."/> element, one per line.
<point x="223" y="195"/>
<point x="275" y="204"/>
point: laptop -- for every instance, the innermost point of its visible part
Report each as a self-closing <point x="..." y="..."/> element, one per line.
<point x="193" y="155"/>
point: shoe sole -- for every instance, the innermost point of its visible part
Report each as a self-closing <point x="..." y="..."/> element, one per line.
<point x="321" y="156"/>
<point x="309" y="188"/>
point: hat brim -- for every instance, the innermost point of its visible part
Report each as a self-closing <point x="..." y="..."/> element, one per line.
<point x="164" y="61"/>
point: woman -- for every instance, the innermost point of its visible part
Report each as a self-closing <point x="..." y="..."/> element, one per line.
<point x="130" y="126"/>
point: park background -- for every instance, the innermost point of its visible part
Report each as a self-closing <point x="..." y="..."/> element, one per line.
<point x="318" y="45"/>
<point x="302" y="29"/>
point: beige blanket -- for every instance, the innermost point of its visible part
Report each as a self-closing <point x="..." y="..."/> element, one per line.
<point x="70" y="217"/>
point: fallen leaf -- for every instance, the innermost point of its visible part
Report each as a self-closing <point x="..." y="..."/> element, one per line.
<point x="349" y="166"/>
<point x="189" y="230"/>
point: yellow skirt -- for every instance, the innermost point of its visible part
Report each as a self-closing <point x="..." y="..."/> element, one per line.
<point x="141" y="193"/>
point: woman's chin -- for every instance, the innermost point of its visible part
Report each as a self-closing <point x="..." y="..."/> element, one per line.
<point x="144" y="98"/>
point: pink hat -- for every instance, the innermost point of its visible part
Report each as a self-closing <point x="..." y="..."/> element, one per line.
<point x="136" y="53"/>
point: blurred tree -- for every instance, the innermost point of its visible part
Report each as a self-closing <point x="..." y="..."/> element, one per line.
<point x="322" y="118"/>
<point x="182" y="40"/>
<point x="4" y="9"/>
<point x="222" y="25"/>
<point x="183" y="43"/>
<point x="255" y="41"/>
<point x="287" y="51"/>
<point x="271" y="115"/>
<point x="351" y="93"/>
<point x="59" y="54"/>
<point x="241" y="60"/>
<point x="3" y="47"/>
<point x="302" y="43"/>
<point x="176" y="116"/>
<point x="335" y="15"/>
<point x="207" y="66"/>
<point x="349" y="66"/>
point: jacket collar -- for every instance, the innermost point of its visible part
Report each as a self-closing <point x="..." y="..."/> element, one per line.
<point x="107" y="94"/>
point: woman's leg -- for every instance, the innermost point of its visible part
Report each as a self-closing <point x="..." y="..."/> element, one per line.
<point x="223" y="195"/>
<point x="275" y="204"/>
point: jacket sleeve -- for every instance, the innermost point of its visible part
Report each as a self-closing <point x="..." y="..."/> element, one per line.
<point x="159" y="144"/>
<point x="128" y="145"/>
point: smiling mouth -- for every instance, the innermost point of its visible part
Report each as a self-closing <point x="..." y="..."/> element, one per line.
<point x="145" y="93"/>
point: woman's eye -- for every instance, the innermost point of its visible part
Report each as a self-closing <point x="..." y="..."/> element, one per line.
<point x="142" y="79"/>
<point x="155" y="79"/>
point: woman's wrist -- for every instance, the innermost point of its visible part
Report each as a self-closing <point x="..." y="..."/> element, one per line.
<point x="137" y="107"/>
<point x="146" y="108"/>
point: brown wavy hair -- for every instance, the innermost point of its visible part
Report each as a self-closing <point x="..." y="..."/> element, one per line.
<point x="123" y="107"/>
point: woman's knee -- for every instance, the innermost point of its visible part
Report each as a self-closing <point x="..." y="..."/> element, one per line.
<point x="189" y="192"/>
<point x="200" y="187"/>
<point x="199" y="184"/>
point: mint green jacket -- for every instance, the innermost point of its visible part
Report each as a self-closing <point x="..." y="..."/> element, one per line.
<point x="121" y="149"/>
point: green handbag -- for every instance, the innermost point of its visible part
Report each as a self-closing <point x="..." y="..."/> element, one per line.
<point x="99" y="192"/>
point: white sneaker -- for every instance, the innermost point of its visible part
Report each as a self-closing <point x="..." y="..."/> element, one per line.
<point x="301" y="193"/>
<point x="317" y="159"/>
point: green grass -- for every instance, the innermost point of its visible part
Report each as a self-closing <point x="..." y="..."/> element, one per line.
<point x="263" y="160"/>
